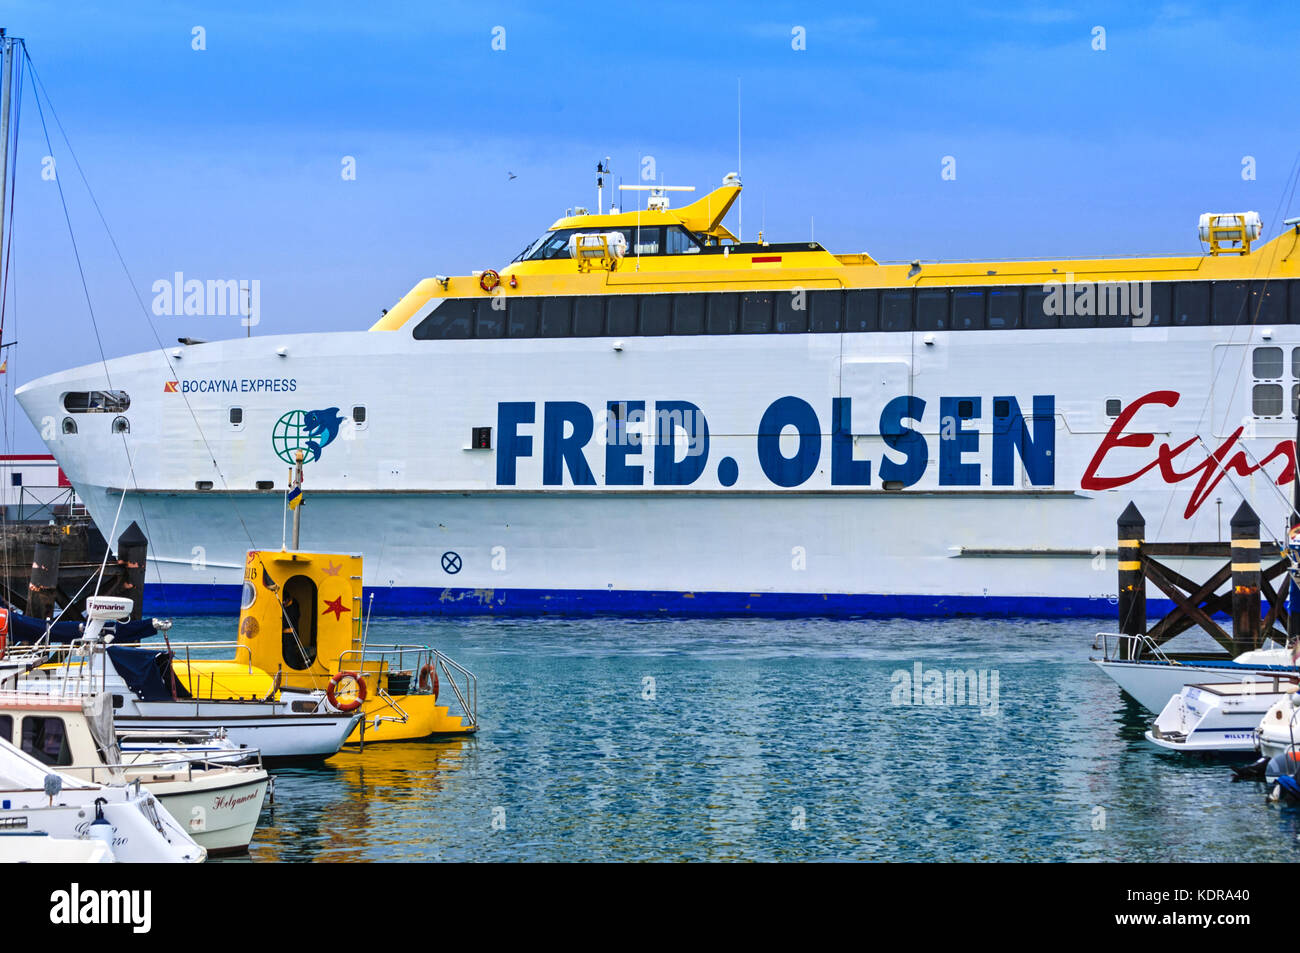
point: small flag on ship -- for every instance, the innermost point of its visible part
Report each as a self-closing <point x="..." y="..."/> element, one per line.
<point x="295" y="497"/>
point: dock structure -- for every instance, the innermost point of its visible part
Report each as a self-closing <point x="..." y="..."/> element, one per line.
<point x="45" y="567"/>
<point x="1250" y="586"/>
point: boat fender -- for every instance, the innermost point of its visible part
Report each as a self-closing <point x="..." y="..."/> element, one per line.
<point x="4" y="631"/>
<point x="331" y="691"/>
<point x="489" y="279"/>
<point x="429" y="676"/>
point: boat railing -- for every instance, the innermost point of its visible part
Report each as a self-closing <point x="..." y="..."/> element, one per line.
<point x="1116" y="647"/>
<point x="414" y="658"/>
<point x="177" y="763"/>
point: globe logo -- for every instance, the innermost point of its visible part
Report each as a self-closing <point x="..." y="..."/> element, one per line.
<point x="290" y="435"/>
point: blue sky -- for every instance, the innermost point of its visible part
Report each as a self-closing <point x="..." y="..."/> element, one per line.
<point x="225" y="162"/>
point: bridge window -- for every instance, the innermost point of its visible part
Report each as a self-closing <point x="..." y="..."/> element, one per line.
<point x="680" y="241"/>
<point x="96" y="402"/>
<point x="648" y="240"/>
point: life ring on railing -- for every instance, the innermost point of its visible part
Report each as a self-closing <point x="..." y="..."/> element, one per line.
<point x="489" y="279"/>
<point x="331" y="692"/>
<point x="429" y="676"/>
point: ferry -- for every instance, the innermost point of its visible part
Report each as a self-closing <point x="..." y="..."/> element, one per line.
<point x="643" y="413"/>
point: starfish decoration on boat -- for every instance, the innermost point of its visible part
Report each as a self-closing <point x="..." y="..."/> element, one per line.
<point x="331" y="569"/>
<point x="337" y="607"/>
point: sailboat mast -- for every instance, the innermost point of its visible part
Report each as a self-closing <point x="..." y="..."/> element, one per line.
<point x="6" y="85"/>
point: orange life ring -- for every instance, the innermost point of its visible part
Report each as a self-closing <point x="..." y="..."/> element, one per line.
<point x="331" y="692"/>
<point x="429" y="676"/>
<point x="489" y="279"/>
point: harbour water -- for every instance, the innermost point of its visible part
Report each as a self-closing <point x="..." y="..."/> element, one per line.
<point x="616" y="739"/>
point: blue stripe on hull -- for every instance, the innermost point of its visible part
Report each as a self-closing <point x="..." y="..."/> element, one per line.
<point x="179" y="599"/>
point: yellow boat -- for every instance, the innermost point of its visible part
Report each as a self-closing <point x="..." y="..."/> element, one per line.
<point x="302" y="629"/>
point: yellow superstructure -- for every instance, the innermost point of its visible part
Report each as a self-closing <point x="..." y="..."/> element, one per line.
<point x="718" y="263"/>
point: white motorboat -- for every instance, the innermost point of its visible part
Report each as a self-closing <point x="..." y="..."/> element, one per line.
<point x="1151" y="677"/>
<point x="148" y="696"/>
<point x="37" y="802"/>
<point x="219" y="803"/>
<point x="1217" y="718"/>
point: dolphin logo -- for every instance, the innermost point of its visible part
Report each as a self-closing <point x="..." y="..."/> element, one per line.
<point x="320" y="424"/>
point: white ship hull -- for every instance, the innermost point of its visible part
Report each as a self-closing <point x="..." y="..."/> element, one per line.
<point x="993" y="522"/>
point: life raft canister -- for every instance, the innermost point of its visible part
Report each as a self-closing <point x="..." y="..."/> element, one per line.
<point x="331" y="692"/>
<point x="429" y="676"/>
<point x="489" y="279"/>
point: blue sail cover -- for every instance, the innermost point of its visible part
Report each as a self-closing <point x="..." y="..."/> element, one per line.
<point x="26" y="630"/>
<point x="147" y="672"/>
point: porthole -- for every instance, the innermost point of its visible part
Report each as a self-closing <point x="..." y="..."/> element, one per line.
<point x="1113" y="406"/>
<point x="121" y="425"/>
<point x="236" y="416"/>
<point x="69" y="425"/>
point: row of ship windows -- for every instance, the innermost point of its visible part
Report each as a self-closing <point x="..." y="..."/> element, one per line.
<point x="1156" y="304"/>
<point x="122" y="425"/>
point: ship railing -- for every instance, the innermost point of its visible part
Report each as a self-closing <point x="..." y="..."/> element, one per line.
<point x="1116" y="647"/>
<point x="170" y="763"/>
<point x="414" y="658"/>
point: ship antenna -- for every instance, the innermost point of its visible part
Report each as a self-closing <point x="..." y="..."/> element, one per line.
<point x="740" y="225"/>
<point x="602" y="170"/>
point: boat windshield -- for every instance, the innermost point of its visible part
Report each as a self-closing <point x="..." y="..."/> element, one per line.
<point x="643" y="240"/>
<point x="549" y="245"/>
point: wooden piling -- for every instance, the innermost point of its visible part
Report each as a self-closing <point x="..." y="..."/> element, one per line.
<point x="1132" y="584"/>
<point x="1245" y="579"/>
<point x="43" y="587"/>
<point x="132" y="551"/>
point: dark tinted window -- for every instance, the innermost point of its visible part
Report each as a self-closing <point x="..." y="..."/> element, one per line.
<point x="791" y="311"/>
<point x="755" y="312"/>
<point x="723" y="313"/>
<point x="861" y="311"/>
<point x="688" y="314"/>
<point x="46" y="740"/>
<point x="589" y="316"/>
<point x="7" y="728"/>
<point x="932" y="310"/>
<point x="1191" y="302"/>
<point x="1295" y="301"/>
<point x="896" y="310"/>
<point x="620" y="316"/>
<point x="1036" y="315"/>
<point x="521" y="317"/>
<point x="557" y="318"/>
<point x="680" y="242"/>
<point x="654" y="313"/>
<point x="1116" y="303"/>
<point x="1160" y="304"/>
<point x="1230" y="302"/>
<point x="1004" y="307"/>
<point x="491" y="322"/>
<point x="453" y="318"/>
<point x="968" y="309"/>
<point x="1267" y="302"/>
<point x="824" y="310"/>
